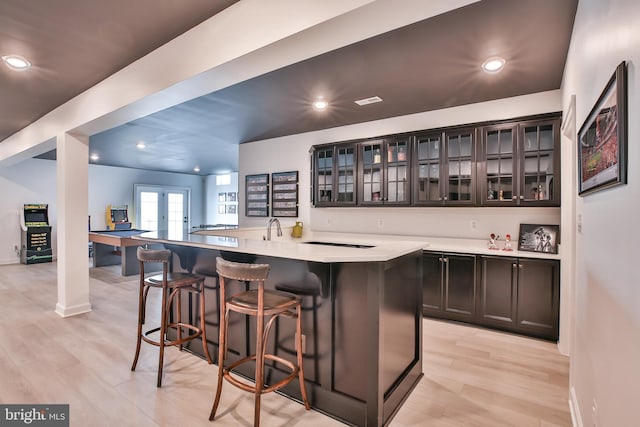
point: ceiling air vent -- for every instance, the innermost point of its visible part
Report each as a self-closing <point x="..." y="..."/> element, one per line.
<point x="367" y="101"/>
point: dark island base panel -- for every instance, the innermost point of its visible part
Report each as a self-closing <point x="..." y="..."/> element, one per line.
<point x="126" y="256"/>
<point x="359" y="319"/>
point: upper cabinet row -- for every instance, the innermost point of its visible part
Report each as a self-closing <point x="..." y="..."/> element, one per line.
<point x="516" y="163"/>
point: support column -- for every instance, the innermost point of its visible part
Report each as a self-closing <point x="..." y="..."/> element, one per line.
<point x="72" y="250"/>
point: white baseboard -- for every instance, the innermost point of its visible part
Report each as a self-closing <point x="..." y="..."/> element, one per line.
<point x="72" y="311"/>
<point x="576" y="418"/>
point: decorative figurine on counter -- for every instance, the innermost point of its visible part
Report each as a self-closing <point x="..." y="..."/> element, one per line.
<point x="492" y="241"/>
<point x="507" y="243"/>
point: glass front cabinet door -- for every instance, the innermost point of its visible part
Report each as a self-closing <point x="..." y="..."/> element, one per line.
<point x="335" y="173"/>
<point x="444" y="168"/>
<point x="384" y="172"/>
<point x="520" y="164"/>
<point x="539" y="162"/>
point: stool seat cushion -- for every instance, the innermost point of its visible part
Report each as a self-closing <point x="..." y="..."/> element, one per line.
<point x="174" y="280"/>
<point x="272" y="299"/>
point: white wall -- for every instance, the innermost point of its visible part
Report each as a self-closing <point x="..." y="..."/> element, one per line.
<point x="34" y="181"/>
<point x="292" y="153"/>
<point x="605" y="362"/>
<point x="31" y="181"/>
<point x="212" y="191"/>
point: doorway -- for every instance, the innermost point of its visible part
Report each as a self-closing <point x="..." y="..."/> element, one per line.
<point x="163" y="208"/>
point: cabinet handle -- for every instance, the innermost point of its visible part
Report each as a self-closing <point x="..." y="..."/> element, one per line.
<point x="440" y="259"/>
<point x="446" y="259"/>
<point x="514" y="265"/>
<point x="446" y="198"/>
<point x="520" y="266"/>
<point x="521" y="197"/>
<point x="514" y="198"/>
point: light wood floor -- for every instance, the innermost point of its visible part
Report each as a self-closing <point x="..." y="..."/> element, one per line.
<point x="473" y="377"/>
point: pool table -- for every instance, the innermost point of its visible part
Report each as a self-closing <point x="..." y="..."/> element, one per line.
<point x="113" y="247"/>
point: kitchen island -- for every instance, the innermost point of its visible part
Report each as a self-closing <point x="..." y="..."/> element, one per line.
<point x="362" y="314"/>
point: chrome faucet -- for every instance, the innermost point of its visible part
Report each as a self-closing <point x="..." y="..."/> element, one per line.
<point x="278" y="228"/>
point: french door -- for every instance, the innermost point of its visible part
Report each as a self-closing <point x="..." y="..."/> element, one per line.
<point x="162" y="208"/>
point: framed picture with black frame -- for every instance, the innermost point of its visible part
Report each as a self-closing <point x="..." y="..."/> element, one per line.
<point x="602" y="139"/>
<point x="539" y="238"/>
<point x="257" y="195"/>
<point x="284" y="194"/>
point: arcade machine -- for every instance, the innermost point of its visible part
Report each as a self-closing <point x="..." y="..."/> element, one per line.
<point x="118" y="218"/>
<point x="36" y="234"/>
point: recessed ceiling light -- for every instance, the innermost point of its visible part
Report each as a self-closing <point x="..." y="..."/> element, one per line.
<point x="366" y="101"/>
<point x="196" y="169"/>
<point x="320" y="104"/>
<point x="16" y="62"/>
<point x="494" y="64"/>
<point x="140" y="145"/>
<point x="94" y="157"/>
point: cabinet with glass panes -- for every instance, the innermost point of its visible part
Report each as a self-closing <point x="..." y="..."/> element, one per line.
<point x="383" y="176"/>
<point x="520" y="164"/>
<point x="444" y="168"/>
<point x="335" y="175"/>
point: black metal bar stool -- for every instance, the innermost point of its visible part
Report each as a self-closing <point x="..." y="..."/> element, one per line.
<point x="260" y="303"/>
<point x="171" y="284"/>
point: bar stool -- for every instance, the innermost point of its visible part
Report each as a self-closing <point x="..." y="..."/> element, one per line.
<point x="260" y="303"/>
<point x="172" y="285"/>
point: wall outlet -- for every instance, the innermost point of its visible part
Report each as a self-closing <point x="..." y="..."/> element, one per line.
<point x="380" y="224"/>
<point x="473" y="224"/>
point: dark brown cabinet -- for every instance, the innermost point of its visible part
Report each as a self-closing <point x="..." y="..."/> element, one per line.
<point x="514" y="163"/>
<point x="519" y="164"/>
<point x="383" y="176"/>
<point x="444" y="168"/>
<point x="335" y="168"/>
<point x="449" y="286"/>
<point x="520" y="295"/>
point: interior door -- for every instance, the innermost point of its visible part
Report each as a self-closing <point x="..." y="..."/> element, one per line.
<point x="163" y="208"/>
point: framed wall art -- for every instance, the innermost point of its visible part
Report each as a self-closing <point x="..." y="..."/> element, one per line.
<point x="257" y="195"/>
<point x="602" y="139"/>
<point x="539" y="238"/>
<point x="284" y="194"/>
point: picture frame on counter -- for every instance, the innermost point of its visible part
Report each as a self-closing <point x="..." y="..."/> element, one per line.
<point x="539" y="238"/>
<point x="602" y="139"/>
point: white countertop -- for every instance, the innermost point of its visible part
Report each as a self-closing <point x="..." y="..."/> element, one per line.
<point x="385" y="247"/>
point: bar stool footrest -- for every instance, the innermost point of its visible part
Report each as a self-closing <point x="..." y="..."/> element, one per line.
<point x="267" y="389"/>
<point x="197" y="333"/>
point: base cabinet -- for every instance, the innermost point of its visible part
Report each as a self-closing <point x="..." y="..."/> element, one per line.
<point x="449" y="286"/>
<point x="520" y="295"/>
